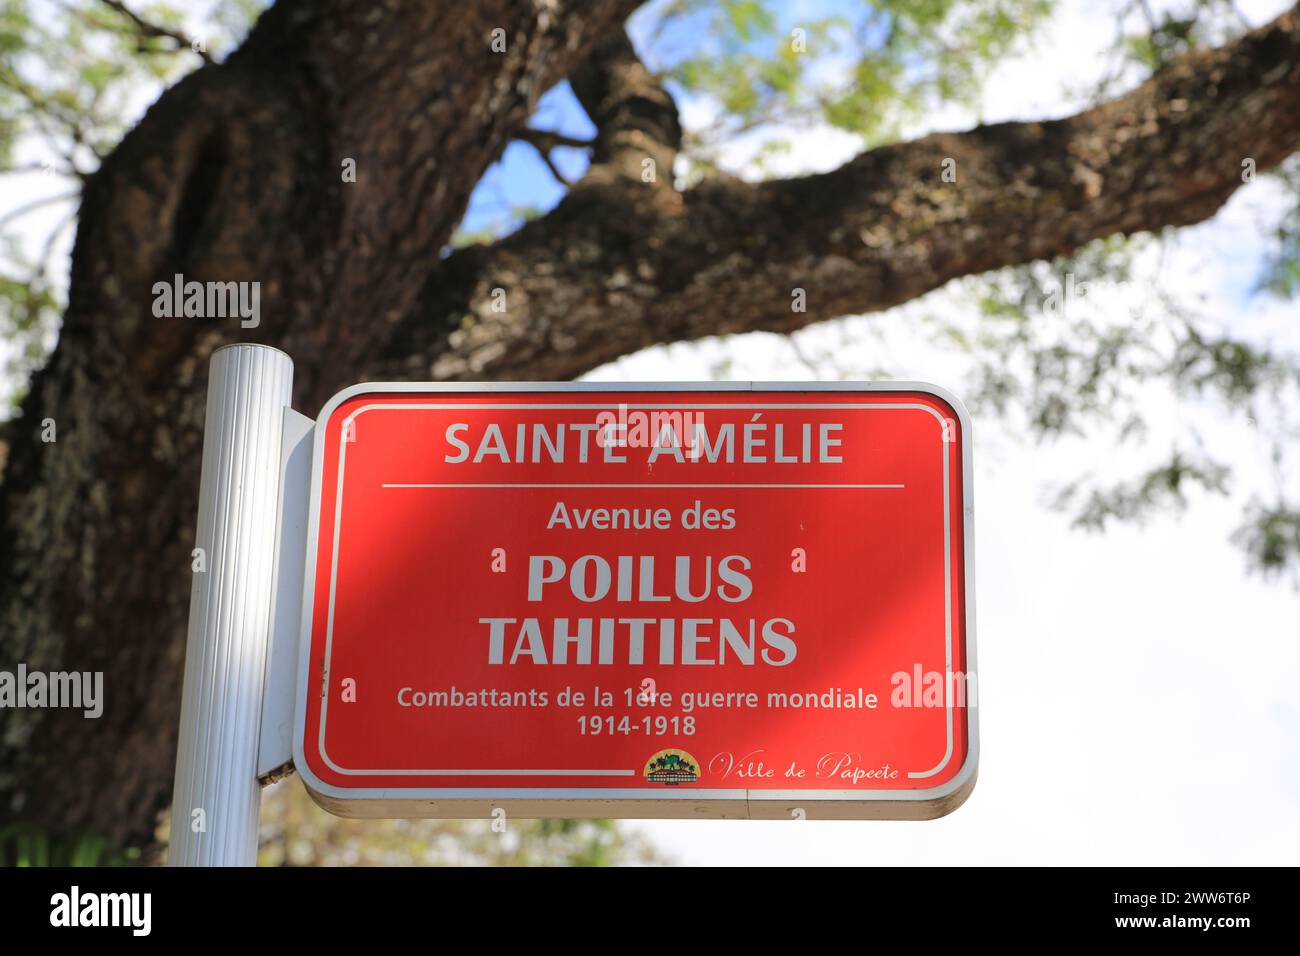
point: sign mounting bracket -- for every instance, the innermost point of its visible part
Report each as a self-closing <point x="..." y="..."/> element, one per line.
<point x="275" y="750"/>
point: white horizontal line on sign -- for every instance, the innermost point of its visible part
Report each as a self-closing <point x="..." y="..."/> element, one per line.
<point x="512" y="773"/>
<point x="653" y="485"/>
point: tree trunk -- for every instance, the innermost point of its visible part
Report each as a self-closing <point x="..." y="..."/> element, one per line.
<point x="233" y="175"/>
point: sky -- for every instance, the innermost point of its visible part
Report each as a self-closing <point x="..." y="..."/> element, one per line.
<point x="1138" y="698"/>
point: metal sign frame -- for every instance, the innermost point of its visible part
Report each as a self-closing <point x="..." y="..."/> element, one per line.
<point x="477" y="802"/>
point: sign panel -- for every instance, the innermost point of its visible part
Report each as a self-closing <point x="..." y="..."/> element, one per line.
<point x="740" y="600"/>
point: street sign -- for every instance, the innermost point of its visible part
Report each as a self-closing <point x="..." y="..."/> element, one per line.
<point x="728" y="600"/>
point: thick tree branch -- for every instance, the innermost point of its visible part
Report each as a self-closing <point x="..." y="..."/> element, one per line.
<point x="609" y="271"/>
<point x="638" y="129"/>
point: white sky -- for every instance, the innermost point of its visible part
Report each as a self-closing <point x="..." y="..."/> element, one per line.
<point x="1137" y="690"/>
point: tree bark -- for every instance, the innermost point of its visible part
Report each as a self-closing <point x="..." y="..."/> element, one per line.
<point x="235" y="175"/>
<point x="621" y="264"/>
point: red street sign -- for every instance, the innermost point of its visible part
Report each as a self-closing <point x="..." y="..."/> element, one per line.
<point x="639" y="601"/>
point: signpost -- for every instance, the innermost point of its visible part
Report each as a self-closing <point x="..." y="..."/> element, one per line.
<point x="216" y="799"/>
<point x="726" y="600"/>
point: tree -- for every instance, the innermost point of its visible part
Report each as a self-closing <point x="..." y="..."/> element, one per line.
<point x="239" y="172"/>
<point x="297" y="833"/>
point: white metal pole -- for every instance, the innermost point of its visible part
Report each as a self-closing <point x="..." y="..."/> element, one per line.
<point x="216" y="800"/>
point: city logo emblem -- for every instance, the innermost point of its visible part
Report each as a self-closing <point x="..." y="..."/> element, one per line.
<point x="671" y="767"/>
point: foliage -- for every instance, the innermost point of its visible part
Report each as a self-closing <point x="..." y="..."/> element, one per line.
<point x="1051" y="349"/>
<point x="295" y="832"/>
<point x="25" y="845"/>
<point x="1281" y="273"/>
<point x="862" y="68"/>
<point x="73" y="79"/>
<point x="1270" y="535"/>
<point x="1147" y="36"/>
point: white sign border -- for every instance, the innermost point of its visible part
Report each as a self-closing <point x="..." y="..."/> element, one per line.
<point x="605" y="802"/>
